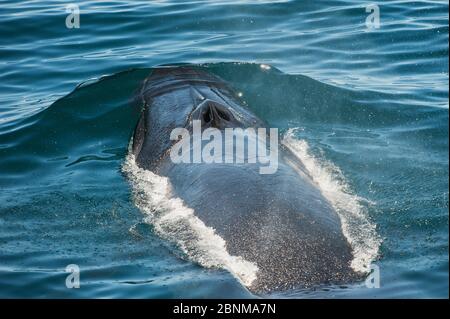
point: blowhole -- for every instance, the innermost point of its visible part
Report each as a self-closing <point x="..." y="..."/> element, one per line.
<point x="207" y="115"/>
<point x="223" y="114"/>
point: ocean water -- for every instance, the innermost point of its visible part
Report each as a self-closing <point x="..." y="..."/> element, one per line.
<point x="366" y="110"/>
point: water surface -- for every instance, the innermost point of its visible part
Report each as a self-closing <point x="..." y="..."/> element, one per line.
<point x="368" y="110"/>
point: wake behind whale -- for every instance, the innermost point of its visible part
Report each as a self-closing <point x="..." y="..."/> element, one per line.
<point x="274" y="232"/>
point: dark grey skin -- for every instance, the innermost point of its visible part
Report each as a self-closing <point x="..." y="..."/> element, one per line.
<point x="281" y="222"/>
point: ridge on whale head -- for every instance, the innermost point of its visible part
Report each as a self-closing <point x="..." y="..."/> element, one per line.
<point x="281" y="222"/>
<point x="194" y="95"/>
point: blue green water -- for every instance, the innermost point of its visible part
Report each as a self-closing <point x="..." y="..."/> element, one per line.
<point x="372" y="104"/>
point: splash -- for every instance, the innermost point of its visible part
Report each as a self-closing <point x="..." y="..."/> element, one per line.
<point x="356" y="226"/>
<point x="175" y="222"/>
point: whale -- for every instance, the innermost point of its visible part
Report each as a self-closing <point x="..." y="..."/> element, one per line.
<point x="280" y="221"/>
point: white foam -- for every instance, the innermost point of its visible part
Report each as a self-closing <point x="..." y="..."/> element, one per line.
<point x="356" y="226"/>
<point x="173" y="221"/>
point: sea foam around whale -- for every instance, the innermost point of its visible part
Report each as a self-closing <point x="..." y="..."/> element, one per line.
<point x="176" y="222"/>
<point x="356" y="226"/>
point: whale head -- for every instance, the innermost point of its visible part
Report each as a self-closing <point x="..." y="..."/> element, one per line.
<point x="175" y="97"/>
